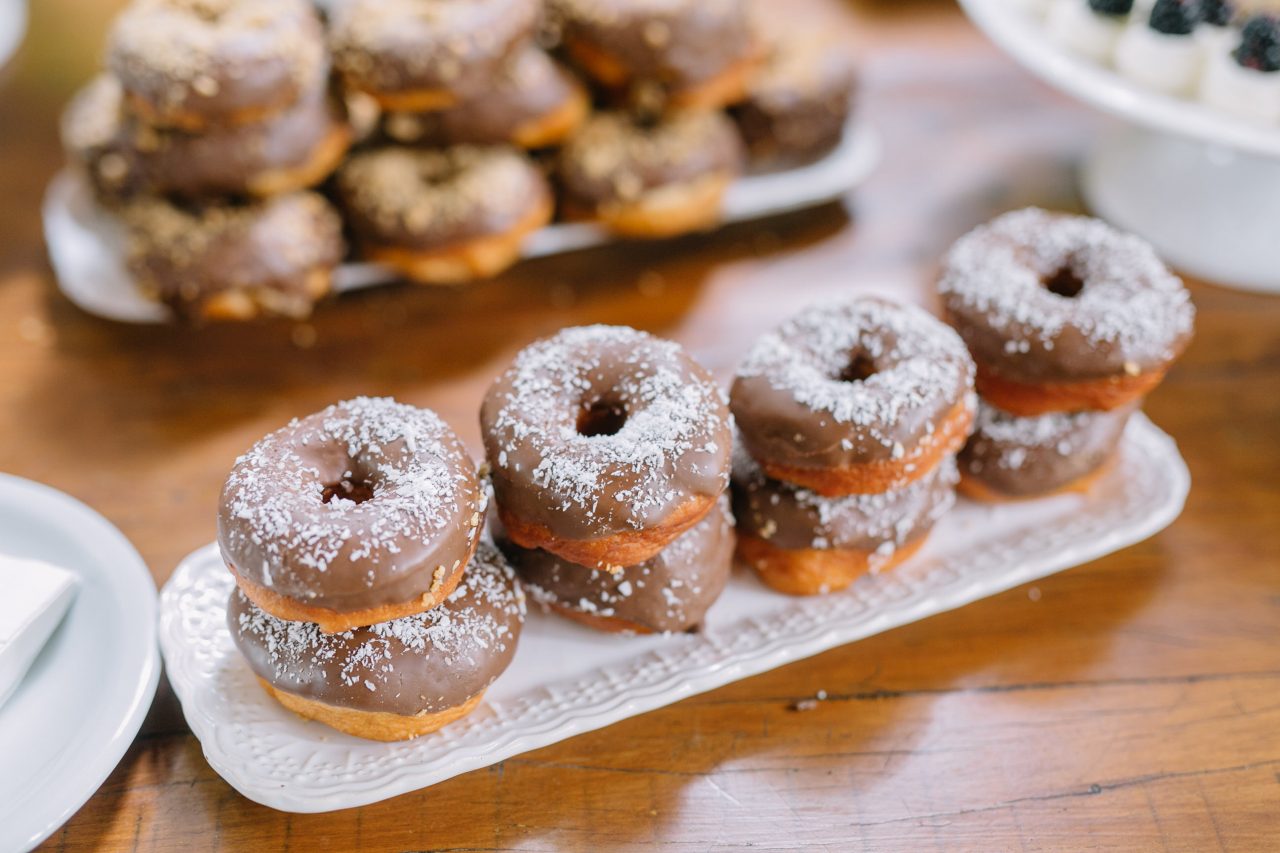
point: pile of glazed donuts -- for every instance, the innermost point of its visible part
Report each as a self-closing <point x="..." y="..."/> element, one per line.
<point x="376" y="594"/>
<point x="243" y="143"/>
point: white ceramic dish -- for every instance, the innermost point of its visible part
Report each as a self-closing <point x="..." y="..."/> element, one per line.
<point x="1197" y="182"/>
<point x="86" y="244"/>
<point x="567" y="679"/>
<point x="80" y="706"/>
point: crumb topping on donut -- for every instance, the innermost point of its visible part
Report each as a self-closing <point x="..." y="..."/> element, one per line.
<point x="369" y="484"/>
<point x="467" y="635"/>
<point x="1014" y="443"/>
<point x="669" y="446"/>
<point x="917" y="363"/>
<point x="1128" y="308"/>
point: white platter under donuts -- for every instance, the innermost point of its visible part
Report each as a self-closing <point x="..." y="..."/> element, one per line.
<point x="567" y="679"/>
<point x="1201" y="184"/>
<point x="86" y="244"/>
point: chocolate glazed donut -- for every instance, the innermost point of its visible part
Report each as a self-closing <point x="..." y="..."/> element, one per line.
<point x="198" y="63"/>
<point x="364" y="512"/>
<point x="700" y="52"/>
<point x="392" y="680"/>
<point x="415" y="55"/>
<point x="667" y="593"/>
<point x="229" y="261"/>
<point x="1063" y="313"/>
<point x="854" y="397"/>
<point x="124" y="157"/>
<point x="605" y="444"/>
<point x="802" y="543"/>
<point x="1010" y="457"/>
<point x="444" y="216"/>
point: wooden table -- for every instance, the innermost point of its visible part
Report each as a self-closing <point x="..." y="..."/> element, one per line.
<point x="1132" y="703"/>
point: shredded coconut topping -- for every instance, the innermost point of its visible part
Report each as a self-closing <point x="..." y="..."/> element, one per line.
<point x="1129" y="303"/>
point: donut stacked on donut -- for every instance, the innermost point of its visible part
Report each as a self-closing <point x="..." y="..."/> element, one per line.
<point x="365" y="597"/>
<point x="1071" y="323"/>
<point x="850" y="415"/>
<point x="221" y="110"/>
<point x="609" y="450"/>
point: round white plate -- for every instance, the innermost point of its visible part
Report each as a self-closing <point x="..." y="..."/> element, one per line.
<point x="567" y="679"/>
<point x="1027" y="41"/>
<point x="72" y="718"/>
<point x="86" y="244"/>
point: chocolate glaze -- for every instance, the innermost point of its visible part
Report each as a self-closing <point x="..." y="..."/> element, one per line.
<point x="667" y="441"/>
<point x="125" y="157"/>
<point x="1128" y="314"/>
<point x="277" y="253"/>
<point x="397" y="46"/>
<point x="678" y="44"/>
<point x="668" y="593"/>
<point x="425" y="663"/>
<point x="795" y="519"/>
<point x="217" y="59"/>
<point x="617" y="159"/>
<point x="1023" y="457"/>
<point x="797" y="106"/>
<point x="528" y="87"/>
<point x="431" y="199"/>
<point x="279" y="528"/>
<point x="794" y="408"/>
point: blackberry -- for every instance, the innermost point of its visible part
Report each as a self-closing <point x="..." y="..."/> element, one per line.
<point x="1260" y="44"/>
<point x="1175" y="17"/>
<point x="1217" y="12"/>
<point x="1111" y="7"/>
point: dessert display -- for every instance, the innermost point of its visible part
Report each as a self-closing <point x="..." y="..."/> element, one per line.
<point x="605" y="444"/>
<point x="668" y="593"/>
<point x="1211" y="51"/>
<point x="393" y="680"/>
<point x="1071" y="323"/>
<point x="234" y="260"/>
<point x="695" y="53"/>
<point x="365" y="512"/>
<point x="854" y="397"/>
<point x="443" y="216"/>
<point x="650" y="178"/>
<point x="412" y="117"/>
<point x="1063" y="313"/>
<point x="36" y="597"/>
<point x="365" y="597"/>
<point x="850" y="415"/>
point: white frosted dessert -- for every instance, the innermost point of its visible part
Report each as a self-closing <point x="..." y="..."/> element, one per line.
<point x="1034" y="8"/>
<point x="1216" y="33"/>
<point x="1089" y="28"/>
<point x="1160" y="51"/>
<point x="1246" y="81"/>
<point x="36" y="597"/>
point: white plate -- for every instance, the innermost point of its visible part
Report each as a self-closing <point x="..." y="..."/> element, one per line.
<point x="1027" y="41"/>
<point x="80" y="706"/>
<point x="13" y="26"/>
<point x="567" y="679"/>
<point x="86" y="243"/>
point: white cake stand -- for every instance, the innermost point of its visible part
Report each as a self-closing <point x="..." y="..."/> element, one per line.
<point x="1202" y="185"/>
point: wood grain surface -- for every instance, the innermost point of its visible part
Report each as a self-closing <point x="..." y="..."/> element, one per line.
<point x="1129" y="704"/>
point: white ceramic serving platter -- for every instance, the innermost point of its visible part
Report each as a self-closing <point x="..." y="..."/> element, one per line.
<point x="86" y="244"/>
<point x="1027" y="41"/>
<point x="567" y="679"/>
<point x="80" y="706"/>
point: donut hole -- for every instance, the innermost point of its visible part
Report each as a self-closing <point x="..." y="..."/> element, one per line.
<point x="351" y="489"/>
<point x="602" y="417"/>
<point x="859" y="368"/>
<point x="1064" y="282"/>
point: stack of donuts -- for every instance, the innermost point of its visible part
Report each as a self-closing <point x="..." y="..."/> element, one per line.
<point x="205" y="133"/>
<point x="367" y="596"/>
<point x="609" y="451"/>
<point x="1071" y="323"/>
<point x="481" y="122"/>
<point x="850" y="416"/>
